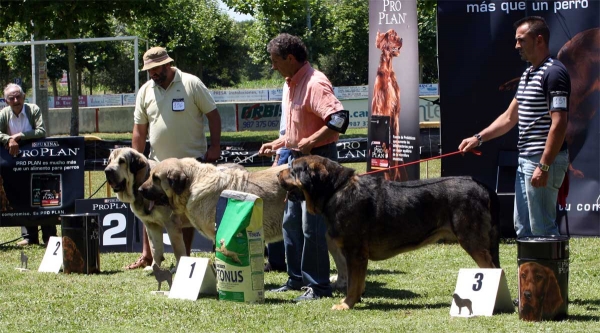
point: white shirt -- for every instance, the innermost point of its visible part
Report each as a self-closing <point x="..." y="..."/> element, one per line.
<point x="18" y="124"/>
<point x="282" y="121"/>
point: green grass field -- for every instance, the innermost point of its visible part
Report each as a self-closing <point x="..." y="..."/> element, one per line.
<point x="409" y="293"/>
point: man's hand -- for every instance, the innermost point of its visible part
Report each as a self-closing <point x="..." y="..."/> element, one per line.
<point x="267" y="149"/>
<point x="468" y="144"/>
<point x="305" y="146"/>
<point x="13" y="147"/>
<point x="212" y="154"/>
<point x="539" y="178"/>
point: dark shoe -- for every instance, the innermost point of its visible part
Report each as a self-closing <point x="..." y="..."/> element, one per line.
<point x="282" y="289"/>
<point x="308" y="295"/>
<point x="141" y="262"/>
<point x="271" y="268"/>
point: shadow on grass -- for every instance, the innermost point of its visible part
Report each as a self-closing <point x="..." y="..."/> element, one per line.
<point x="582" y="318"/>
<point x="384" y="272"/>
<point x="394" y="306"/>
<point x="376" y="289"/>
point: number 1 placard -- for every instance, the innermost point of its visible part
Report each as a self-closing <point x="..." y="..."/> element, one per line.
<point x="194" y="276"/>
<point x="480" y="292"/>
<point x="53" y="258"/>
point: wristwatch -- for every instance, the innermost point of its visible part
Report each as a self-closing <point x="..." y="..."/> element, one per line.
<point x="543" y="167"/>
<point x="478" y="136"/>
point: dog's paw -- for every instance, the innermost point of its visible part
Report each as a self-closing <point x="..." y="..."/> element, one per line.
<point x="341" y="306"/>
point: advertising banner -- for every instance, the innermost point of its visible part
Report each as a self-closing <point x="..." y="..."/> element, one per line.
<point x="121" y="231"/>
<point x="42" y="182"/>
<point x="393" y="88"/>
<point x="65" y="101"/>
<point x="479" y="71"/>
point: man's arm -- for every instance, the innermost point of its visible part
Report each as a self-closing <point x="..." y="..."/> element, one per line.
<point x="38" y="130"/>
<point x="306" y="145"/>
<point x="138" y="139"/>
<point x="214" y="125"/>
<point x="499" y="127"/>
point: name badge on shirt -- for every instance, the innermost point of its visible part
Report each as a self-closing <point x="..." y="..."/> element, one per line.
<point x="178" y="104"/>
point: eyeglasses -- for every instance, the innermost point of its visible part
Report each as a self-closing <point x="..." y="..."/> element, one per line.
<point x="13" y="98"/>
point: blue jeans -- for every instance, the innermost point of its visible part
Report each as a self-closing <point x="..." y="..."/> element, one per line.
<point x="276" y="250"/>
<point x="535" y="208"/>
<point x="305" y="244"/>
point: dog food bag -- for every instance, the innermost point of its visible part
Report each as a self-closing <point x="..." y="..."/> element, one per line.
<point x="239" y="247"/>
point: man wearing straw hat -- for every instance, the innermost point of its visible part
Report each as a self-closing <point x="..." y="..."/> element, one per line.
<point x="170" y="110"/>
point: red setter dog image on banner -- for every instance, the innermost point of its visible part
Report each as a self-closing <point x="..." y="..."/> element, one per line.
<point x="386" y="92"/>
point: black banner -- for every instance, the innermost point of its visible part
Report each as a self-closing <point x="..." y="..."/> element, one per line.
<point x="121" y="231"/>
<point x="42" y="182"/>
<point x="349" y="150"/>
<point x="478" y="67"/>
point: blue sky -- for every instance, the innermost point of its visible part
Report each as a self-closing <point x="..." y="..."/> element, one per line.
<point x="234" y="15"/>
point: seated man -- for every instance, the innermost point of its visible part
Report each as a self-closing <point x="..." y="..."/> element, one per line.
<point x="22" y="121"/>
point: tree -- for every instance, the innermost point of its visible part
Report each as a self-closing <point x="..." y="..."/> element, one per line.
<point x="69" y="20"/>
<point x="306" y="19"/>
<point x="348" y="60"/>
<point x="428" y="66"/>
<point x="201" y="39"/>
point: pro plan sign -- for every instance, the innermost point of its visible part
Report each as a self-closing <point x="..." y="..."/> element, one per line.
<point x="114" y="217"/>
<point x="121" y="231"/>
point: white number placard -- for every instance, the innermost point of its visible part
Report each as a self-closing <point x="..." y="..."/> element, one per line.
<point x="53" y="258"/>
<point x="480" y="292"/>
<point x="194" y="276"/>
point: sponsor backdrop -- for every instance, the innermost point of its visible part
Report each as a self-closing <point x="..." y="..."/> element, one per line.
<point x="477" y="63"/>
<point x="391" y="145"/>
<point x="42" y="182"/>
<point x="121" y="231"/>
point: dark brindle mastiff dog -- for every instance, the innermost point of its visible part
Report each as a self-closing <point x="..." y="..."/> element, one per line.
<point x="373" y="218"/>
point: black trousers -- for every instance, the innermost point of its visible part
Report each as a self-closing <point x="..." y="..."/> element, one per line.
<point x="31" y="233"/>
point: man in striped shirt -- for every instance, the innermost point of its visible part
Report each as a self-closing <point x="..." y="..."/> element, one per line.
<point x="540" y="108"/>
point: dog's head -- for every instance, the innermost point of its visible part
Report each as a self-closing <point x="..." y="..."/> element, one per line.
<point x="167" y="182"/>
<point x="539" y="292"/>
<point x="389" y="43"/>
<point x="313" y="179"/>
<point x="127" y="169"/>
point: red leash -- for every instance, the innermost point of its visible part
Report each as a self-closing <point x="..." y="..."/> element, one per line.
<point x="476" y="152"/>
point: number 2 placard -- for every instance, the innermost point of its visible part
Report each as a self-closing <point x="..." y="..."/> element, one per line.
<point x="53" y="257"/>
<point x="480" y="292"/>
<point x="194" y="276"/>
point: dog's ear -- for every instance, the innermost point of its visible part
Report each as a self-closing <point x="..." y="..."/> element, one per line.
<point x="136" y="163"/>
<point x="553" y="298"/>
<point x="379" y="40"/>
<point x="318" y="169"/>
<point x="177" y="181"/>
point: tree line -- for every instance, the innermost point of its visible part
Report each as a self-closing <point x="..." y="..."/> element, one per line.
<point x="200" y="37"/>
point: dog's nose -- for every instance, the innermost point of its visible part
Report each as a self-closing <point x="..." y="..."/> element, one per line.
<point x="527" y="294"/>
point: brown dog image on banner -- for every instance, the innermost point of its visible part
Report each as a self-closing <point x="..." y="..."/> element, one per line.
<point x="371" y="218"/>
<point x="386" y="91"/>
<point x="539" y="292"/>
<point x="4" y="204"/>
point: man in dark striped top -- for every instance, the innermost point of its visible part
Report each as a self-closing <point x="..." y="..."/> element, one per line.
<point x="540" y="108"/>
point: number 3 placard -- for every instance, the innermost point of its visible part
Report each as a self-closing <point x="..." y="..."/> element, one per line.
<point x="480" y="292"/>
<point x="194" y="276"/>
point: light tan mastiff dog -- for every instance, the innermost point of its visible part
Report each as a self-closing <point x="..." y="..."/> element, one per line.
<point x="192" y="189"/>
